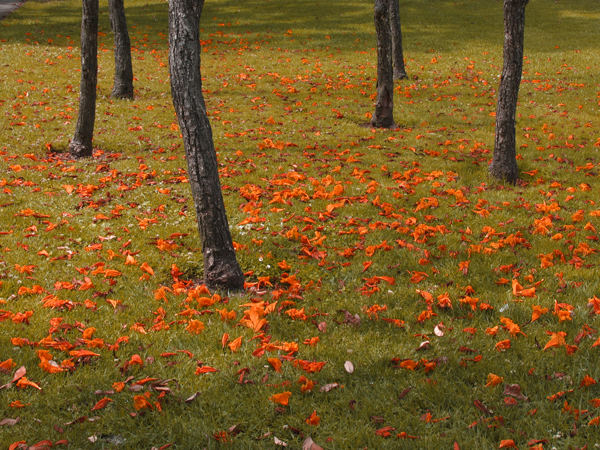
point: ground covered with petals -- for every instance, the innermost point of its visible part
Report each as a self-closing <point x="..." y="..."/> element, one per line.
<point x="395" y="294"/>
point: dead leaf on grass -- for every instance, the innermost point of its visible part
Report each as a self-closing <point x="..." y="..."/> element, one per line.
<point x="19" y="373"/>
<point x="279" y="442"/>
<point x="8" y="422"/>
<point x="329" y="387"/>
<point x="349" y="366"/>
<point x="514" y="390"/>
<point x="309" y="444"/>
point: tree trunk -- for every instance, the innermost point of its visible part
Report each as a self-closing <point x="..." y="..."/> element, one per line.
<point x="123" y="81"/>
<point x="396" y="30"/>
<point x="221" y="269"/>
<point x="81" y="145"/>
<point x="504" y="161"/>
<point x="384" y="106"/>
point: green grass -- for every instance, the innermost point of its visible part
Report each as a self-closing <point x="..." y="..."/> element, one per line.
<point x="289" y="86"/>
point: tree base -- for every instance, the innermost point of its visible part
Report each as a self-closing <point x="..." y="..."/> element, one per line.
<point x="504" y="173"/>
<point x="221" y="270"/>
<point x="383" y="123"/>
<point x="122" y="93"/>
<point x="225" y="279"/>
<point x="80" y="150"/>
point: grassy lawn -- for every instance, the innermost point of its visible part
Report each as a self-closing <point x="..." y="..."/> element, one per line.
<point x="396" y="295"/>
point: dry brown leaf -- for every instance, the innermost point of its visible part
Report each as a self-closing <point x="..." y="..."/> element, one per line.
<point x="349" y="366"/>
<point x="8" y="422"/>
<point x="424" y="345"/>
<point x="309" y="444"/>
<point x="514" y="390"/>
<point x="19" y="373"/>
<point x="279" y="442"/>
<point x="329" y="387"/>
<point x="349" y="318"/>
<point x="192" y="397"/>
<point x="480" y="406"/>
<point x="404" y="393"/>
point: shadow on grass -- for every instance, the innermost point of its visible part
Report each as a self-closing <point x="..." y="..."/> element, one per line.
<point x="320" y="23"/>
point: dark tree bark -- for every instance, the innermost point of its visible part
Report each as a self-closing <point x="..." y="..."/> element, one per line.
<point x="504" y="161"/>
<point x="123" y="81"/>
<point x="81" y="144"/>
<point x="384" y="106"/>
<point x="397" y="53"/>
<point x="221" y="269"/>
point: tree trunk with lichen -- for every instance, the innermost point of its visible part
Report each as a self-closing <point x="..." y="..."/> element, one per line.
<point x="396" y="30"/>
<point x="123" y="79"/>
<point x="221" y="269"/>
<point x="383" y="117"/>
<point x="81" y="144"/>
<point x="504" y="160"/>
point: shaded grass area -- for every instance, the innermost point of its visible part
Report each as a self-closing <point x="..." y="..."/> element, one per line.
<point x="361" y="238"/>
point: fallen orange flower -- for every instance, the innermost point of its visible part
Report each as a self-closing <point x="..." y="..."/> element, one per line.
<point x="235" y="345"/>
<point x="82" y="353"/>
<point x="195" y="326"/>
<point x="275" y="363"/>
<point x="87" y="333"/>
<point x="557" y="340"/>
<point x="101" y="403"/>
<point x="306" y="384"/>
<point x="205" y="369"/>
<point x="7" y="365"/>
<point x="226" y="314"/>
<point x="595" y="421"/>
<point x="385" y="431"/>
<point x="141" y="402"/>
<point x="18" y="404"/>
<point x="282" y="398"/>
<point x="492" y="331"/>
<point x="135" y="359"/>
<point x="313" y="419"/>
<point x="23" y="382"/>
<point x="111" y="273"/>
<point x="311" y="341"/>
<point x="309" y="366"/>
<point x="409" y="364"/>
<point x="130" y="260"/>
<point x="50" y="366"/>
<point x="511" y="327"/>
<point x="405" y="435"/>
<point x="224" y="339"/>
<point x="417" y="277"/>
<point x="537" y="312"/>
<point x="587" y="381"/>
<point x="503" y="345"/>
<point x="253" y="320"/>
<point x="493" y="380"/>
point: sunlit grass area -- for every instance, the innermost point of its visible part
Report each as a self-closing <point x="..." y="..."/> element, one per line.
<point x="396" y="295"/>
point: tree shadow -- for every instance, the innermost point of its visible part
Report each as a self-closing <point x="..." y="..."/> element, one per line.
<point x="319" y="23"/>
<point x="426" y="24"/>
<point x="310" y="24"/>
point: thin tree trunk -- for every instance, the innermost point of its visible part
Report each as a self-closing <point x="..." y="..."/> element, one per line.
<point x="504" y="161"/>
<point x="81" y="144"/>
<point x="123" y="80"/>
<point x="384" y="106"/>
<point x="221" y="269"/>
<point x="397" y="53"/>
